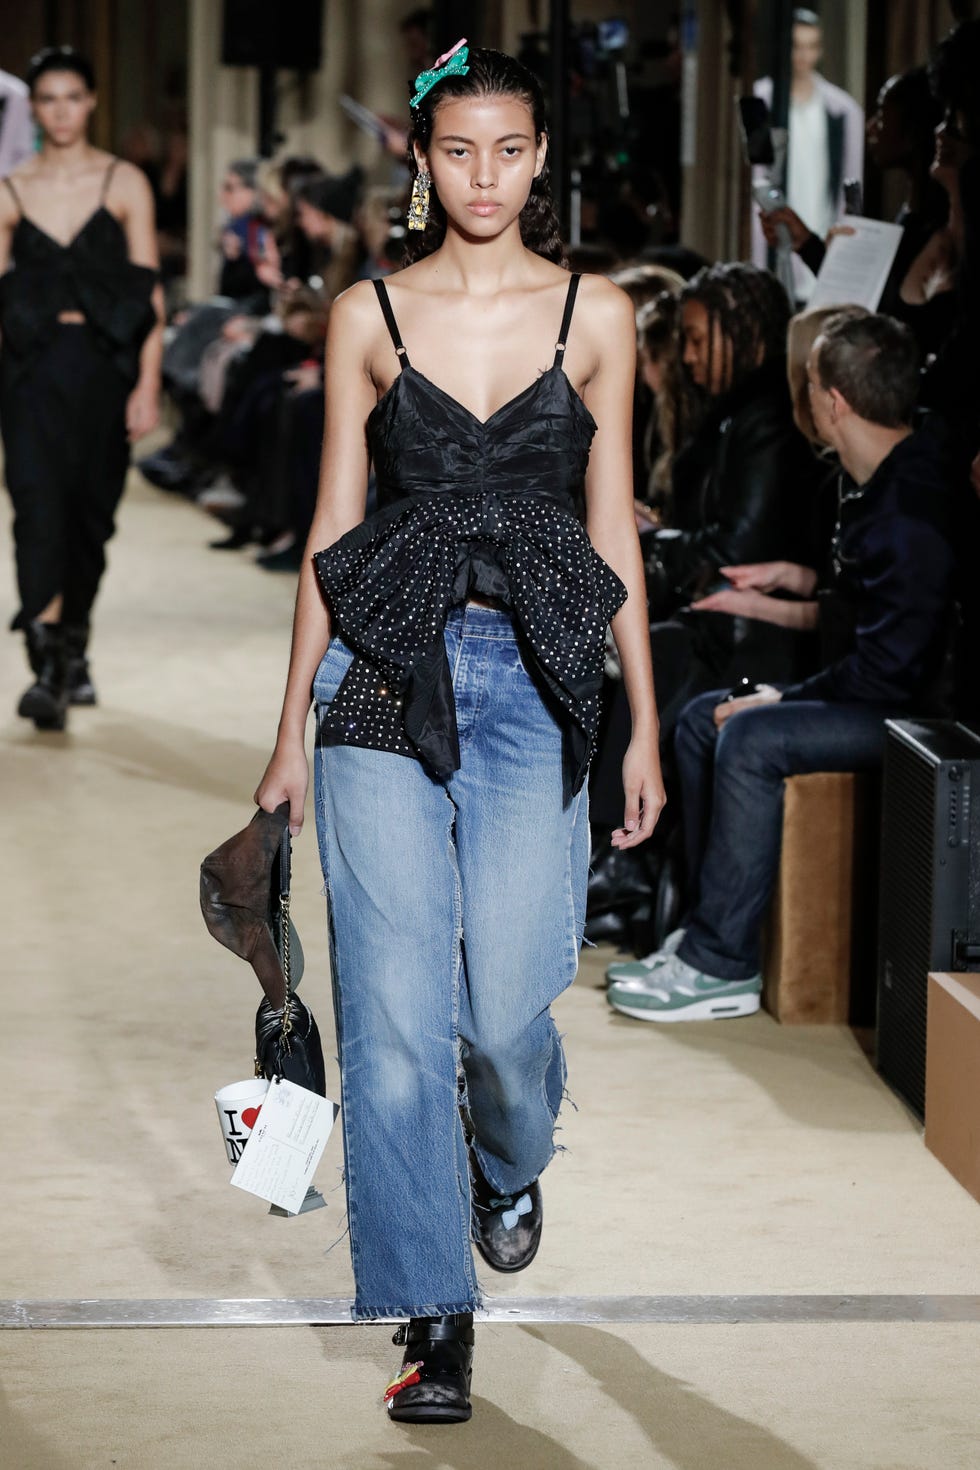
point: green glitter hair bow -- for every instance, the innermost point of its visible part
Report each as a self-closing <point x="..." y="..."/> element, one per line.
<point x="450" y="64"/>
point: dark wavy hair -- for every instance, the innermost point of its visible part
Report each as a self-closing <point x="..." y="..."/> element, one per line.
<point x="750" y="307"/>
<point x="491" y="74"/>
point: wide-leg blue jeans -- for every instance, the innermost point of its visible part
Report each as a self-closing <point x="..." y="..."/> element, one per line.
<point x="456" y="916"/>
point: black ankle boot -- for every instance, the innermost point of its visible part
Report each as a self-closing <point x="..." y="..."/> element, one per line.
<point x="47" y="699"/>
<point x="78" y="676"/>
<point x="433" y="1386"/>
<point x="506" y="1229"/>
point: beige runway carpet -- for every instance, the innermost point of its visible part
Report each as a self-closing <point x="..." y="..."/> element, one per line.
<point x="723" y="1160"/>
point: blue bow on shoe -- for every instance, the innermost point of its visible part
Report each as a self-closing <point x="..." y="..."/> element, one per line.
<point x="521" y="1207"/>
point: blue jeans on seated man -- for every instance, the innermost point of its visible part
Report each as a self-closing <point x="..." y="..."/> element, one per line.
<point x="456" y="916"/>
<point x="732" y="792"/>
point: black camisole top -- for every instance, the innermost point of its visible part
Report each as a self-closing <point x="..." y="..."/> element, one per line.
<point x="91" y="274"/>
<point x="469" y="507"/>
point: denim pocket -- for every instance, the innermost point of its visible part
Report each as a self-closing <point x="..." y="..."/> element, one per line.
<point x="332" y="671"/>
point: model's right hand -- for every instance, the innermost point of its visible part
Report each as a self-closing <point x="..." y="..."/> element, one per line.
<point x="286" y="778"/>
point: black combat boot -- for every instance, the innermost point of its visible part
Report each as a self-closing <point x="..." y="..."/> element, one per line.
<point x="78" y="676"/>
<point x="47" y="699"/>
<point x="433" y="1385"/>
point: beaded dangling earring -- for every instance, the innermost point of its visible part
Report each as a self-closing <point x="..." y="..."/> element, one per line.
<point x="418" y="208"/>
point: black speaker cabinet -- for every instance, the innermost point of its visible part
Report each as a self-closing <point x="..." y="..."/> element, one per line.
<point x="929" y="914"/>
<point x="286" y="35"/>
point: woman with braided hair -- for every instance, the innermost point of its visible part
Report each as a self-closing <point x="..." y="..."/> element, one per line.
<point x="454" y="645"/>
<point x="746" y="476"/>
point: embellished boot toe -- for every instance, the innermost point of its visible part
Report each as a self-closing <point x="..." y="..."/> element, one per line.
<point x="433" y="1384"/>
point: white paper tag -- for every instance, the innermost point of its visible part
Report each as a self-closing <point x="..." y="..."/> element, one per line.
<point x="285" y="1145"/>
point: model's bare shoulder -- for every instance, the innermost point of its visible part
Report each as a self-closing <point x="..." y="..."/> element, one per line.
<point x="129" y="188"/>
<point x="355" y="309"/>
<point x="605" y="314"/>
<point x="356" y="324"/>
<point x="602" y="299"/>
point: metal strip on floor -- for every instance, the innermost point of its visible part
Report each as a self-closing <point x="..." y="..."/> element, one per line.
<point x="309" y="1311"/>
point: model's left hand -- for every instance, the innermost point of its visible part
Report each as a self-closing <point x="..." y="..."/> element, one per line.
<point x="142" y="411"/>
<point x="765" y="694"/>
<point x="644" y="789"/>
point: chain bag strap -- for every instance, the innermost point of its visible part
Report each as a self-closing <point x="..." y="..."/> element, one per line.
<point x="282" y="876"/>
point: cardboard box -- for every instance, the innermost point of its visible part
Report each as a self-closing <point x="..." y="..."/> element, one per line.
<point x="953" y="1076"/>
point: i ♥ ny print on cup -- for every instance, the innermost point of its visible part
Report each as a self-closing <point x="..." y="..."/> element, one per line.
<point x="239" y="1106"/>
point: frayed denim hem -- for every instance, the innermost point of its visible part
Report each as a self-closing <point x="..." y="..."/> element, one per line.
<point x="395" y="1314"/>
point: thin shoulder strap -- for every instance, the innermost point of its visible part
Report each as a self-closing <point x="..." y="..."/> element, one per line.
<point x="14" y="195"/>
<point x="392" y="325"/>
<point x="566" y="320"/>
<point x="107" y="180"/>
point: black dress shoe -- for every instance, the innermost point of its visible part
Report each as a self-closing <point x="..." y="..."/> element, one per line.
<point x="235" y="540"/>
<point x="433" y="1385"/>
<point x="506" y="1228"/>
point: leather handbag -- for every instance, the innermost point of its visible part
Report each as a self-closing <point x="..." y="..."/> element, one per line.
<point x="245" y="896"/>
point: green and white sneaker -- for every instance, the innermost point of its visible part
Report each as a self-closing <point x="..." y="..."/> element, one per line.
<point x="640" y="969"/>
<point x="674" y="991"/>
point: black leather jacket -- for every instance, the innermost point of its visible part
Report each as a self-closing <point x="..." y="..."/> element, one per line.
<point x="745" y="490"/>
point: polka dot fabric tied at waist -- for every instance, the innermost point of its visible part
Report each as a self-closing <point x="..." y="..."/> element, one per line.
<point x="468" y="508"/>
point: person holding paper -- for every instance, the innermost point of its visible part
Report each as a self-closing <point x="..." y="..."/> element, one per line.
<point x="826" y="140"/>
<point x="454" y="643"/>
<point x="902" y="136"/>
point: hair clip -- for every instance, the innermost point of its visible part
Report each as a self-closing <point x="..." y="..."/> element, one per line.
<point x="451" y="63"/>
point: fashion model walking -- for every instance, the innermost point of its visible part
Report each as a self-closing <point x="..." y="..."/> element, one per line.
<point x="453" y="643"/>
<point x="81" y="321"/>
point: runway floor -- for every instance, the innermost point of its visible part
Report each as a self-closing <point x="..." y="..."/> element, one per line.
<point x="779" y="1275"/>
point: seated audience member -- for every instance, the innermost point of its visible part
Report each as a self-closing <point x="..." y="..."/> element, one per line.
<point x="671" y="406"/>
<point x="244" y="237"/>
<point x="744" y="489"/>
<point x="765" y="598"/>
<point x="643" y="283"/>
<point x="325" y="209"/>
<point x="893" y="565"/>
<point x="380" y="221"/>
<point x="743" y="486"/>
<point x="287" y="260"/>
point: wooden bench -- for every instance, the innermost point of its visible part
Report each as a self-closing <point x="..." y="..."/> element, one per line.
<point x="819" y="954"/>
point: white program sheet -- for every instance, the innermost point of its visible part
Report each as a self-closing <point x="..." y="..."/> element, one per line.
<point x="285" y="1145"/>
<point x="856" y="267"/>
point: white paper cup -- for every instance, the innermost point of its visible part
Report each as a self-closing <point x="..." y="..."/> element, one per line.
<point x="238" y="1107"/>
